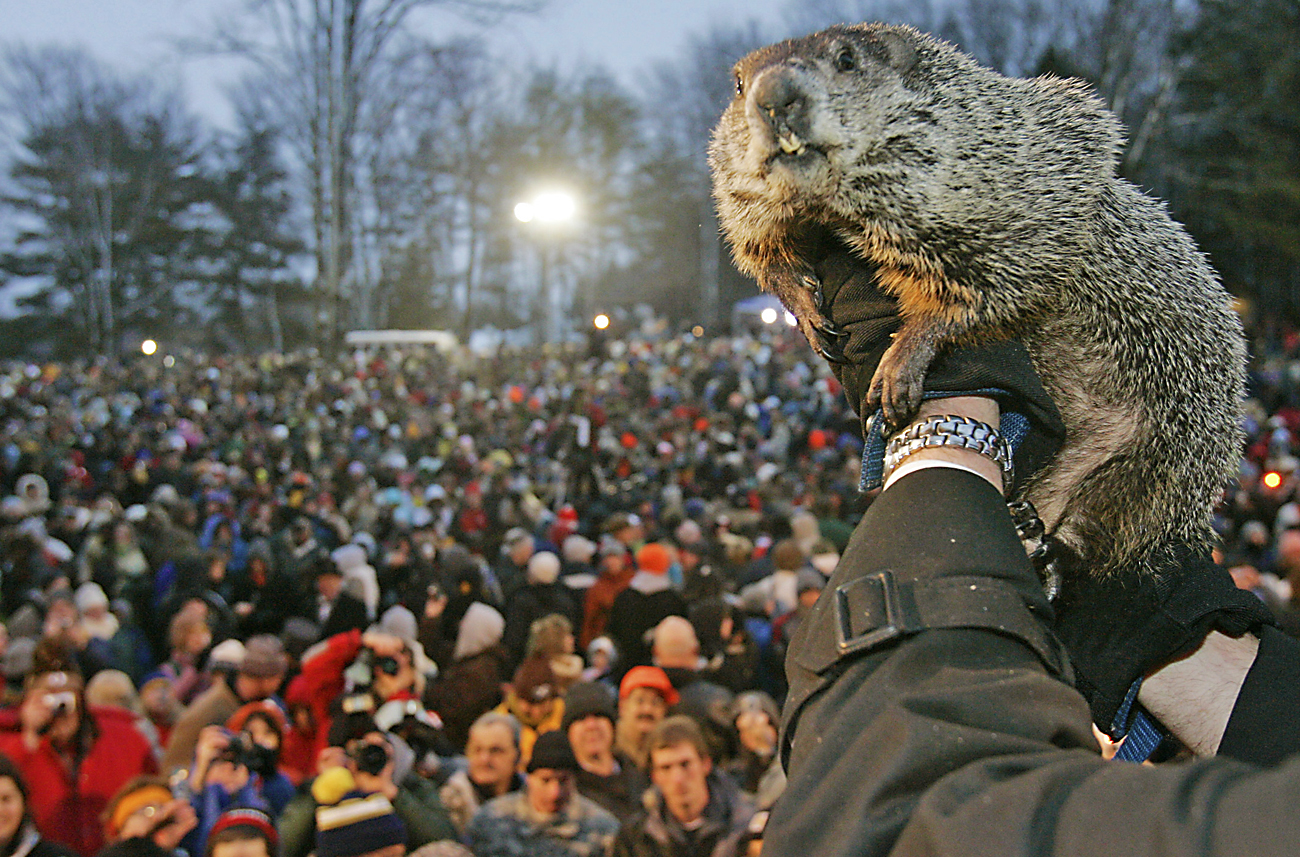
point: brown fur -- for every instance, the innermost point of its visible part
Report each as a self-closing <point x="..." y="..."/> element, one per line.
<point x="991" y="208"/>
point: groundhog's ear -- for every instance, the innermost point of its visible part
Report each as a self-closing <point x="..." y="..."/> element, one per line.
<point x="893" y="49"/>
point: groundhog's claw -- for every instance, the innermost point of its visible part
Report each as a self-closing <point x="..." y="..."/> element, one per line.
<point x="897" y="386"/>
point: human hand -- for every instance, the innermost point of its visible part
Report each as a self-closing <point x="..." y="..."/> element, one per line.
<point x="869" y="317"/>
<point x="382" y="644"/>
<point x="165" y="825"/>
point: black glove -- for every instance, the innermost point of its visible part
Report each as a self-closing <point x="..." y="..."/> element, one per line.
<point x="867" y="317"/>
<point x="1120" y="628"/>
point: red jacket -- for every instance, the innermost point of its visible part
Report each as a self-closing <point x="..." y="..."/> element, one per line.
<point x="68" y="810"/>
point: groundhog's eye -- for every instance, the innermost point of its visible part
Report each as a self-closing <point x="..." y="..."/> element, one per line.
<point x="740" y="86"/>
<point x="845" y="61"/>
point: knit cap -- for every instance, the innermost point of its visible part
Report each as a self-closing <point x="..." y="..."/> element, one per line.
<point x="254" y="819"/>
<point x="654" y="558"/>
<point x="350" y="823"/>
<point x="552" y="750"/>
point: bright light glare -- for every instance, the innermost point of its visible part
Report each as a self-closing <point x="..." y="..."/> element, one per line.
<point x="148" y="347"/>
<point x="1272" y="479"/>
<point x="601" y="321"/>
<point x="768" y="316"/>
<point x="550" y="207"/>
<point x="790" y="319"/>
<point x="697" y="331"/>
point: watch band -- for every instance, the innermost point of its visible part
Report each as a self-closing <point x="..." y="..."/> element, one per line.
<point x="951" y="431"/>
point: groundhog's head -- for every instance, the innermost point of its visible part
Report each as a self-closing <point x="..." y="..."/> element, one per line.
<point x="818" y="119"/>
<point x="896" y="142"/>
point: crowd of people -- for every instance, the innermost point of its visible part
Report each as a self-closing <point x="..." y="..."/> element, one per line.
<point x="406" y="600"/>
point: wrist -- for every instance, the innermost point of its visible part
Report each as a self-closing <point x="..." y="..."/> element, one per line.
<point x="1194" y="696"/>
<point x="979" y="408"/>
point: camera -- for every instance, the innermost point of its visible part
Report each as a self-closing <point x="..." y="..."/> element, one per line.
<point x="243" y="750"/>
<point x="370" y="758"/>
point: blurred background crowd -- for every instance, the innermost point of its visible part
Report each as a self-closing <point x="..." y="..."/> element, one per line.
<point x="491" y="596"/>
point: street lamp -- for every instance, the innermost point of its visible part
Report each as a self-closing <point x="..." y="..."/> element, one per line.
<point x="551" y="208"/>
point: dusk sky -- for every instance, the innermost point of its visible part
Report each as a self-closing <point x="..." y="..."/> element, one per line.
<point x="138" y="34"/>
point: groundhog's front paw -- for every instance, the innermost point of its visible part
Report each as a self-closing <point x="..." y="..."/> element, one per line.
<point x="896" y="388"/>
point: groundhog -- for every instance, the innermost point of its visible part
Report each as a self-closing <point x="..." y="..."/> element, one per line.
<point x="991" y="208"/>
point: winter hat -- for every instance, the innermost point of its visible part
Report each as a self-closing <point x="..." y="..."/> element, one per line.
<point x="90" y="595"/>
<point x="257" y="822"/>
<point x="552" y="750"/>
<point x="480" y="629"/>
<point x="586" y="699"/>
<point x="534" y="681"/>
<point x="543" y="567"/>
<point x="757" y="700"/>
<point x="654" y="558"/>
<point x="610" y="546"/>
<point x="651" y="677"/>
<point x="578" y="548"/>
<point x="350" y="823"/>
<point x="227" y="654"/>
<point x="264" y="657"/>
<point x="400" y="622"/>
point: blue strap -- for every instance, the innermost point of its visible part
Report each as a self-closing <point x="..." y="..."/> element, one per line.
<point x="1144" y="736"/>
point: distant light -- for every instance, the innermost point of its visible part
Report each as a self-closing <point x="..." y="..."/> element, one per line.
<point x="148" y="347"/>
<point x="790" y="319"/>
<point x="601" y="321"/>
<point x="1272" y="479"/>
<point x="768" y="316"/>
<point x="697" y="331"/>
<point x="169" y="361"/>
<point x="549" y="207"/>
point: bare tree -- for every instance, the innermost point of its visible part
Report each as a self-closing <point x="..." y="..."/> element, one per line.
<point x="327" y="66"/>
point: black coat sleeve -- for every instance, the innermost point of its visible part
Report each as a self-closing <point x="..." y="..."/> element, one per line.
<point x="967" y="740"/>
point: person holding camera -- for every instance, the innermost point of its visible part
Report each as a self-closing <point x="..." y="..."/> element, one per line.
<point x="226" y="774"/>
<point x="378" y="764"/>
<point x="73" y="758"/>
<point x="369" y="669"/>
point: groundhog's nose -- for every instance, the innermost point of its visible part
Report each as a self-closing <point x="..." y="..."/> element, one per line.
<point x="779" y="97"/>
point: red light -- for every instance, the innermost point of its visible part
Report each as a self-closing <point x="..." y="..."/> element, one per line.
<point x="1272" y="480"/>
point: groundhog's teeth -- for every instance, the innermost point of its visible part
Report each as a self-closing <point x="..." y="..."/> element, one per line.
<point x="791" y="144"/>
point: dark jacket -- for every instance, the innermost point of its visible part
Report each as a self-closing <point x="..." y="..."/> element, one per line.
<point x="620" y="792"/>
<point x="646" y="601"/>
<point x="967" y="740"/>
<point x="655" y="833"/>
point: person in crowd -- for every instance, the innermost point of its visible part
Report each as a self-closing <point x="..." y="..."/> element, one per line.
<point x="644" y="697"/>
<point x="354" y="822"/>
<point x="693" y="808"/>
<point x="337" y="610"/>
<point x="605" y="773"/>
<point x="551" y="637"/>
<point x="469" y="684"/>
<point x="375" y="667"/>
<point x="648" y="598"/>
<point x="258" y="674"/>
<point x="144" y="819"/>
<point x="615" y="570"/>
<point x="113" y="689"/>
<point x="73" y="758"/>
<point x="534" y="699"/>
<point x="492" y="769"/>
<point x="756" y="767"/>
<point x="262" y="727"/>
<point x="243" y="832"/>
<point x="541" y="594"/>
<point x="19" y="836"/>
<point x="511" y="570"/>
<point x="548" y="818"/>
<point x="371" y="762"/>
<point x="189" y="637"/>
